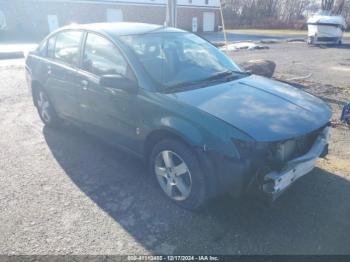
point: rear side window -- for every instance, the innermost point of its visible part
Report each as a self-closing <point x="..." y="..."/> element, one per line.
<point x="101" y="57"/>
<point x="67" y="47"/>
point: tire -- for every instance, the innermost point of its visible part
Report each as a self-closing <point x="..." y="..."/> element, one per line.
<point x="46" y="110"/>
<point x="168" y="162"/>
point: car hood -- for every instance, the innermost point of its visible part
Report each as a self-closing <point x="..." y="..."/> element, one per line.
<point x="265" y="109"/>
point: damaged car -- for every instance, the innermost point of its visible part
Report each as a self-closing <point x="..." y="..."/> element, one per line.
<point x="203" y="126"/>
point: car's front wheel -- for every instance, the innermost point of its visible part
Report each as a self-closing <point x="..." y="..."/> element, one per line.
<point x="45" y="109"/>
<point x="178" y="173"/>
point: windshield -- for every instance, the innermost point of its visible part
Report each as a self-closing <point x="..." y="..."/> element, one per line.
<point x="175" y="59"/>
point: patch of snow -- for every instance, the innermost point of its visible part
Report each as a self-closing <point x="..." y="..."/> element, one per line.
<point x="242" y="46"/>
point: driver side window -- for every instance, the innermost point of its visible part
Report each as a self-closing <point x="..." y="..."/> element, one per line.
<point x="101" y="57"/>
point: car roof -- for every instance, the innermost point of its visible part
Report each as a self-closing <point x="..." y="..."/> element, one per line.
<point x="122" y="28"/>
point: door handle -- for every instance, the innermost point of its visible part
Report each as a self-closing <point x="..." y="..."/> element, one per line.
<point x="49" y="70"/>
<point x="84" y="84"/>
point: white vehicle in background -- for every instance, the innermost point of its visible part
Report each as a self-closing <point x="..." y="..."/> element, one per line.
<point x="3" y="24"/>
<point x="326" y="29"/>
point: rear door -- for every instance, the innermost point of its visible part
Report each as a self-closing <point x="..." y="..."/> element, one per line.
<point x="109" y="112"/>
<point x="62" y="82"/>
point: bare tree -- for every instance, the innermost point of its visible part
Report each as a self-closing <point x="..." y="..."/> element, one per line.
<point x="339" y="7"/>
<point x="327" y="5"/>
<point x="278" y="13"/>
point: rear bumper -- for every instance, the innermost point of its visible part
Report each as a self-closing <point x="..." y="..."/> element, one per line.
<point x="276" y="182"/>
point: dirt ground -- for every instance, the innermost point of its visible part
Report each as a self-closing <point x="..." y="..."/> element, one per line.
<point x="64" y="192"/>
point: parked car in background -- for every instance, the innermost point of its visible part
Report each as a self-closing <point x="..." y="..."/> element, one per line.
<point x="204" y="126"/>
<point x="324" y="28"/>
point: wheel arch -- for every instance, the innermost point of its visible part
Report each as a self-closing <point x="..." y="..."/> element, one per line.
<point x="205" y="162"/>
<point x="163" y="133"/>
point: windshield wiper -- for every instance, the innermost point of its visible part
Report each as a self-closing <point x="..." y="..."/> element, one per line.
<point x="241" y="72"/>
<point x="225" y="75"/>
<point x="182" y="85"/>
<point x="218" y="76"/>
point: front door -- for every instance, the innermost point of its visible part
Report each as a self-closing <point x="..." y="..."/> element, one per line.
<point x="108" y="112"/>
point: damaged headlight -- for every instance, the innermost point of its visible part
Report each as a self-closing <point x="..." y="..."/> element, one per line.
<point x="285" y="150"/>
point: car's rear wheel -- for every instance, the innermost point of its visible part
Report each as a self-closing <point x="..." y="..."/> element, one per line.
<point x="178" y="173"/>
<point x="45" y="109"/>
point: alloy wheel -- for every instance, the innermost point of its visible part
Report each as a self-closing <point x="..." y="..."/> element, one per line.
<point x="173" y="175"/>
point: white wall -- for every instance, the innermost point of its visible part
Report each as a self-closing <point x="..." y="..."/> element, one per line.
<point x="162" y="2"/>
<point x="211" y="3"/>
<point x="180" y="2"/>
<point x="141" y="1"/>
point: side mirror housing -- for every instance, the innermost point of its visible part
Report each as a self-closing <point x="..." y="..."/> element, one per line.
<point x="119" y="82"/>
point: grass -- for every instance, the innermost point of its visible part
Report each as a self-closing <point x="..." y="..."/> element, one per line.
<point x="274" y="32"/>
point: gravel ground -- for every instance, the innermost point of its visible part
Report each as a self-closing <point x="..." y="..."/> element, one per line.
<point x="64" y="192"/>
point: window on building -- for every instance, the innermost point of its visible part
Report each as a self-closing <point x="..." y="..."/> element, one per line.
<point x="67" y="47"/>
<point x="101" y="57"/>
<point x="207" y="2"/>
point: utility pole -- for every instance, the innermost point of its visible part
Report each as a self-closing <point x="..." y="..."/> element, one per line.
<point x="223" y="25"/>
<point x="171" y="13"/>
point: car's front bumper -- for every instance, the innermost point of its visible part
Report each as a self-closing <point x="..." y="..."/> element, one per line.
<point x="277" y="182"/>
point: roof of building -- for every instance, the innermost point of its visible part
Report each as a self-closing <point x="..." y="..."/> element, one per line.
<point x="123" y="28"/>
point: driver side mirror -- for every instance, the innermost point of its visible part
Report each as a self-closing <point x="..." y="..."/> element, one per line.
<point x="119" y="82"/>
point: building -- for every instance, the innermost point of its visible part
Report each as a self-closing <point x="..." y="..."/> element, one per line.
<point x="38" y="17"/>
